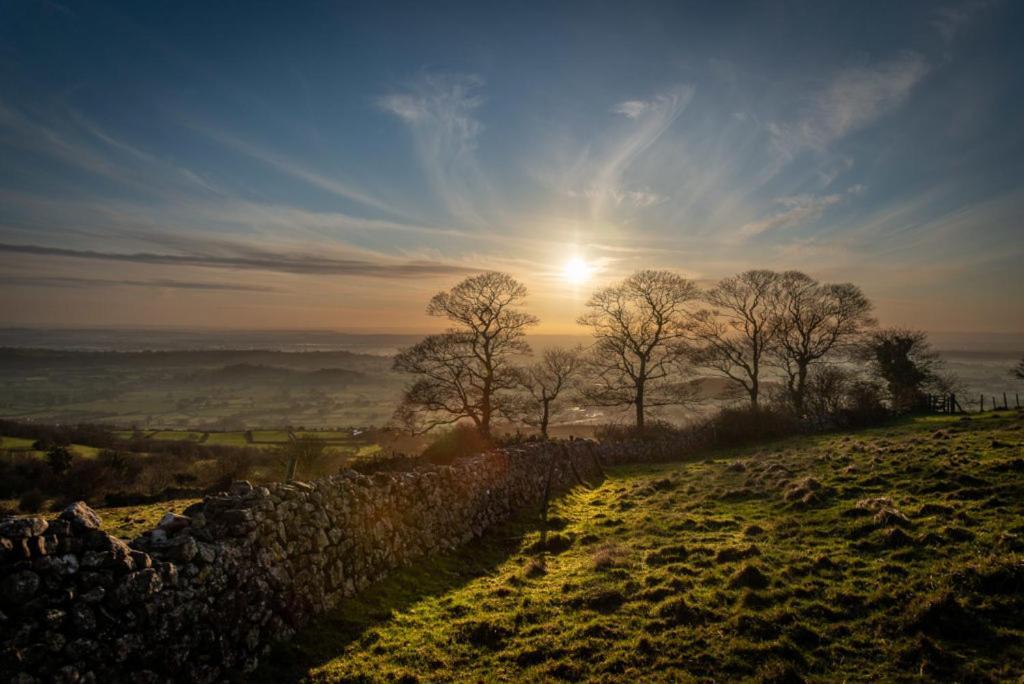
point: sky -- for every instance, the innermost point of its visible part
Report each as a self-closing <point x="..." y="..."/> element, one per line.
<point x="332" y="165"/>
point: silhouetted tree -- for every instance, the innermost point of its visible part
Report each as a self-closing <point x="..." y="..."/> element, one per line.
<point x="546" y="381"/>
<point x="736" y="334"/>
<point x="467" y="372"/>
<point x="816" y="321"/>
<point x="1019" y="370"/>
<point x="906" y="363"/>
<point x="641" y="327"/>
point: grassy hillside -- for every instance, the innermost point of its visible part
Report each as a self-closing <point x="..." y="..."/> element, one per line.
<point x="882" y="555"/>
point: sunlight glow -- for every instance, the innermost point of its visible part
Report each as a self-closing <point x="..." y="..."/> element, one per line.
<point x="577" y="271"/>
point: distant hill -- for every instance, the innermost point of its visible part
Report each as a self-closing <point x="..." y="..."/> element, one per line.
<point x="248" y="373"/>
<point x="22" y="360"/>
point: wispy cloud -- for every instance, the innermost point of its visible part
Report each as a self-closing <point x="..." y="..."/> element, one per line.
<point x="440" y="111"/>
<point x="633" y="198"/>
<point x="797" y="210"/>
<point x="289" y="167"/>
<point x="952" y="19"/>
<point x="250" y="258"/>
<point x="853" y="99"/>
<point x="158" y="283"/>
<point x="649" y="120"/>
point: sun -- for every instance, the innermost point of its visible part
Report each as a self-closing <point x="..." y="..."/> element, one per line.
<point x="576" y="271"/>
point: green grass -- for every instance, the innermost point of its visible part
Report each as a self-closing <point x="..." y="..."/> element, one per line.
<point x="270" y="436"/>
<point x="16" y="443"/>
<point x="226" y="438"/>
<point x="24" y="444"/>
<point x="761" y="564"/>
<point x="178" y="435"/>
<point x="345" y="435"/>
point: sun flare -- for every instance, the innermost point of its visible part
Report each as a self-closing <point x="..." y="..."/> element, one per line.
<point x="576" y="271"/>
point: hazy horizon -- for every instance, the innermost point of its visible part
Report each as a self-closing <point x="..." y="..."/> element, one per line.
<point x="159" y="338"/>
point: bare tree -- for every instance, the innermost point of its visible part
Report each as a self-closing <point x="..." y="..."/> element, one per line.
<point x="546" y="381"/>
<point x="467" y="372"/>
<point x="816" y="321"/>
<point x="1018" y="372"/>
<point x="640" y="356"/>
<point x="736" y="335"/>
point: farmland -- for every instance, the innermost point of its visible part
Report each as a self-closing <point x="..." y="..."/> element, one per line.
<point x="195" y="391"/>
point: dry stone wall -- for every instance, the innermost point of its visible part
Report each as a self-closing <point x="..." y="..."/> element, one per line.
<point x="202" y="596"/>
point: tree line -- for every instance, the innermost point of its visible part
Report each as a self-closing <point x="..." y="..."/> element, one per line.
<point x="653" y="333"/>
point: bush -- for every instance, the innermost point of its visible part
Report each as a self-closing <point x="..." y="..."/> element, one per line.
<point x="737" y="426"/>
<point x="59" y="459"/>
<point x="458" y="442"/>
<point x="836" y="398"/>
<point x="87" y="480"/>
<point x="864" y="405"/>
<point x="387" y="462"/>
<point x="124" y="467"/>
<point x="31" y="501"/>
<point x="652" y="431"/>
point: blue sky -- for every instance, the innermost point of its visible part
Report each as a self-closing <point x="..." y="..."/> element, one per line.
<point x="331" y="165"/>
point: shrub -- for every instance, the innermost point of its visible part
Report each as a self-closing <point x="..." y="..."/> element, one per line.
<point x="124" y="467"/>
<point x="31" y="501"/>
<point x="737" y="426"/>
<point x="652" y="431"/>
<point x="458" y="442"/>
<point x="59" y="459"/>
<point x="864" y="405"/>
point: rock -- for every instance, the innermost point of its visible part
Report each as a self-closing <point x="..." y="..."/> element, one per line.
<point x="81" y="517"/>
<point x="237" y="516"/>
<point x="83" y="619"/>
<point x="180" y="549"/>
<point x="19" y="587"/>
<point x="17" y="528"/>
<point x="139" y="585"/>
<point x="94" y="595"/>
<point x="240" y="488"/>
<point x="172" y="522"/>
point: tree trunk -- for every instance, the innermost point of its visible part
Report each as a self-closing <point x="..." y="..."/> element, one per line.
<point x="485" y="407"/>
<point x="801" y="389"/>
<point x="640" y="406"/>
<point x="545" y="413"/>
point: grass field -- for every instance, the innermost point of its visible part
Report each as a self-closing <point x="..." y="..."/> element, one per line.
<point x="269" y="436"/>
<point x="226" y="438"/>
<point x="16" y="443"/>
<point x="178" y="435"/>
<point x="23" y="444"/>
<point x="892" y="554"/>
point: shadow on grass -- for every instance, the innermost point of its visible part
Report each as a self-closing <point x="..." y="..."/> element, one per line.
<point x="326" y="637"/>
